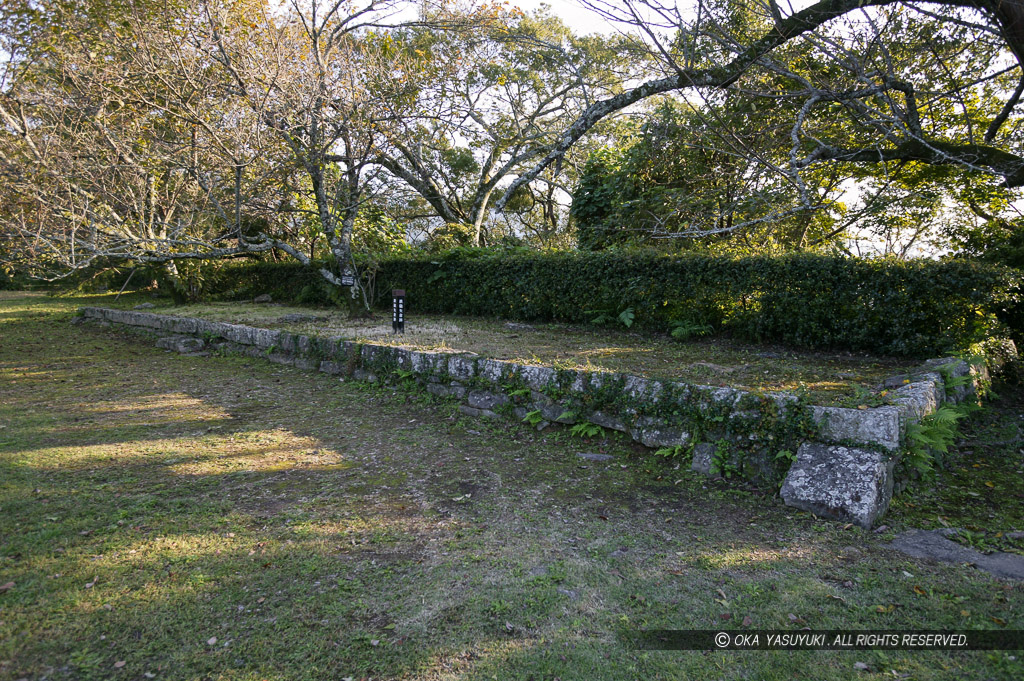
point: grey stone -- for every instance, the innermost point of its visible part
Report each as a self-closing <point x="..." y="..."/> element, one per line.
<point x="556" y="413"/>
<point x="608" y="421"/>
<point x="183" y="325"/>
<point x="515" y="326"/>
<point x="652" y="433"/>
<point x="183" y="344"/>
<point x="442" y="390"/>
<point x="956" y="369"/>
<point x="363" y="375"/>
<point x="641" y="389"/>
<point x="426" y="362"/>
<point x="144" y="306"/>
<point x="297" y="318"/>
<point x="334" y="368"/>
<point x="931" y="545"/>
<point x="80" y="320"/>
<point x="304" y="363"/>
<point x="881" y="425"/>
<point x="921" y="397"/>
<point x="1014" y="535"/>
<point x="844" y="483"/>
<point x="537" y="377"/>
<point x="703" y="454"/>
<point x="482" y="399"/>
<point x="473" y="411"/>
<point x="494" y="370"/>
<point x="263" y="298"/>
<point x="461" y="368"/>
<point x="595" y="457"/>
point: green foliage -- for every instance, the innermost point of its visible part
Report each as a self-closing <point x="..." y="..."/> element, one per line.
<point x="677" y="452"/>
<point x="929" y="439"/>
<point x="722" y="461"/>
<point x="586" y="429"/>
<point x="915" y="308"/>
<point x="534" y="418"/>
<point x="685" y="330"/>
<point x="625" y="318"/>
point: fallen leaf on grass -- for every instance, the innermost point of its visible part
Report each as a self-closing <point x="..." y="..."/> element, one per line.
<point x="861" y="666"/>
<point x="6" y="587"/>
<point x="919" y="591"/>
<point x="998" y="621"/>
<point x="747" y="621"/>
<point x="796" y="620"/>
<point x="119" y="664"/>
<point x="211" y="641"/>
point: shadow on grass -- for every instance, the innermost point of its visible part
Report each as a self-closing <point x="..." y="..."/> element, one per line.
<point x="380" y="538"/>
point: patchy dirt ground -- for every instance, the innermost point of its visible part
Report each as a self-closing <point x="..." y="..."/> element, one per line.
<point x="831" y="377"/>
<point x="174" y="517"/>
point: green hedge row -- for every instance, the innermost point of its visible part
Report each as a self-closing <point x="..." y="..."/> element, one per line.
<point x="922" y="308"/>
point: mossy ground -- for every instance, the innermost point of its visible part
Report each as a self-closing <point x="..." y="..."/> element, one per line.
<point x="828" y="377"/>
<point x="226" y="518"/>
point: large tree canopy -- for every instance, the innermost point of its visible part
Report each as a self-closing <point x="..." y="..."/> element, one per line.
<point x="868" y="81"/>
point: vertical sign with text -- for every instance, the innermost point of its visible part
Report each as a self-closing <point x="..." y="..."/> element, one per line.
<point x="398" y="310"/>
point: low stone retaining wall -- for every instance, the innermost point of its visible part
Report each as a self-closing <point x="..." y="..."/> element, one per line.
<point x="832" y="461"/>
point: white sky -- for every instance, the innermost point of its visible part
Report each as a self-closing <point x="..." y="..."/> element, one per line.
<point x="578" y="18"/>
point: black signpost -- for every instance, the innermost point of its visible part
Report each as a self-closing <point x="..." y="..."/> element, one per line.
<point x="398" y="310"/>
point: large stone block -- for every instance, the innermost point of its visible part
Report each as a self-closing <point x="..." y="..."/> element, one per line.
<point x="881" y="425"/>
<point x="537" y="377"/>
<point x="654" y="433"/>
<point x="922" y="397"/>
<point x="703" y="458"/>
<point x="461" y="368"/>
<point x="183" y="344"/>
<point x="608" y="421"/>
<point x="483" y="399"/>
<point x="845" y="483"/>
<point x="492" y="370"/>
<point x="184" y="325"/>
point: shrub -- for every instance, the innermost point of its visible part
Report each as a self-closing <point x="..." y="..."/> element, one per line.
<point x="917" y="308"/>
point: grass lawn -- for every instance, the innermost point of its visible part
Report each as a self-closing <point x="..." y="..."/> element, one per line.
<point x="175" y="517"/>
<point x="834" y="377"/>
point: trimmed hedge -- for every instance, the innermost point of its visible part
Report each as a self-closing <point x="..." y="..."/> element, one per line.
<point x="917" y="308"/>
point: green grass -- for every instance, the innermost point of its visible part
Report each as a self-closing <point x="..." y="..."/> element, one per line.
<point x="227" y="518"/>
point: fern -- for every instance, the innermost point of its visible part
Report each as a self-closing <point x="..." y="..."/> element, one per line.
<point x="685" y="330"/>
<point x="932" y="435"/>
<point x="586" y="429"/>
<point x="533" y="417"/>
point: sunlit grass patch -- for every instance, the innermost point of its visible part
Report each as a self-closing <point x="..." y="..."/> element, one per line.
<point x="226" y="518"/>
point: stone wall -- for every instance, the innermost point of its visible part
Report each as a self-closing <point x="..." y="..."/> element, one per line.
<point x="832" y="461"/>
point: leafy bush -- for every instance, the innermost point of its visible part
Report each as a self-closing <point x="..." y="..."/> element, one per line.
<point x="917" y="308"/>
